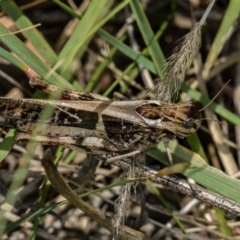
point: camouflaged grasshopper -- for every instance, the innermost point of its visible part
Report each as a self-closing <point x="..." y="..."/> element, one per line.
<point x="96" y="124"/>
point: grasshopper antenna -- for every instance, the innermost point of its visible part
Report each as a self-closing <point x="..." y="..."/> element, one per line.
<point x="215" y="95"/>
<point x="210" y="119"/>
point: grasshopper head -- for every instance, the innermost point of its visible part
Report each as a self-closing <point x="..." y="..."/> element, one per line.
<point x="187" y="119"/>
<point x="180" y="119"/>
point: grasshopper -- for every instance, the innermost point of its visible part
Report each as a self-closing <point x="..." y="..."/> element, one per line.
<point x="96" y="124"/>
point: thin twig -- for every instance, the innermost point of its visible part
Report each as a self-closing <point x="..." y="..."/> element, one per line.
<point x="181" y="186"/>
<point x="62" y="187"/>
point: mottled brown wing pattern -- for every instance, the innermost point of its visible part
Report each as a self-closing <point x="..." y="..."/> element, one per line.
<point x="99" y="126"/>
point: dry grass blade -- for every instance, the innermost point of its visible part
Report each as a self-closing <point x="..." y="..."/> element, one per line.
<point x="177" y="64"/>
<point x="122" y="204"/>
<point x="223" y="150"/>
<point x="60" y="185"/>
<point x="167" y="89"/>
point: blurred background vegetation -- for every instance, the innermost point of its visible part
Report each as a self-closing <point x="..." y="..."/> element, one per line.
<point x="101" y="47"/>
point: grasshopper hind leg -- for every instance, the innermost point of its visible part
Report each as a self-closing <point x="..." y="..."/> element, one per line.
<point x="94" y="145"/>
<point x="86" y="172"/>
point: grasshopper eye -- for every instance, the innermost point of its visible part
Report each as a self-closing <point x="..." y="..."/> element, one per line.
<point x="189" y="122"/>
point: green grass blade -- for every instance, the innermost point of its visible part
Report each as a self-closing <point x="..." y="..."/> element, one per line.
<point x="13" y="60"/>
<point x="36" y="39"/>
<point x="202" y="173"/>
<point x="7" y="143"/>
<point x="81" y="33"/>
<point x="126" y="50"/>
<point x="101" y="67"/>
<point x="157" y="193"/>
<point x="196" y="146"/>
<point x="223" y="222"/>
<point x="148" y="36"/>
<point x="14" y="44"/>
<point x="231" y="15"/>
